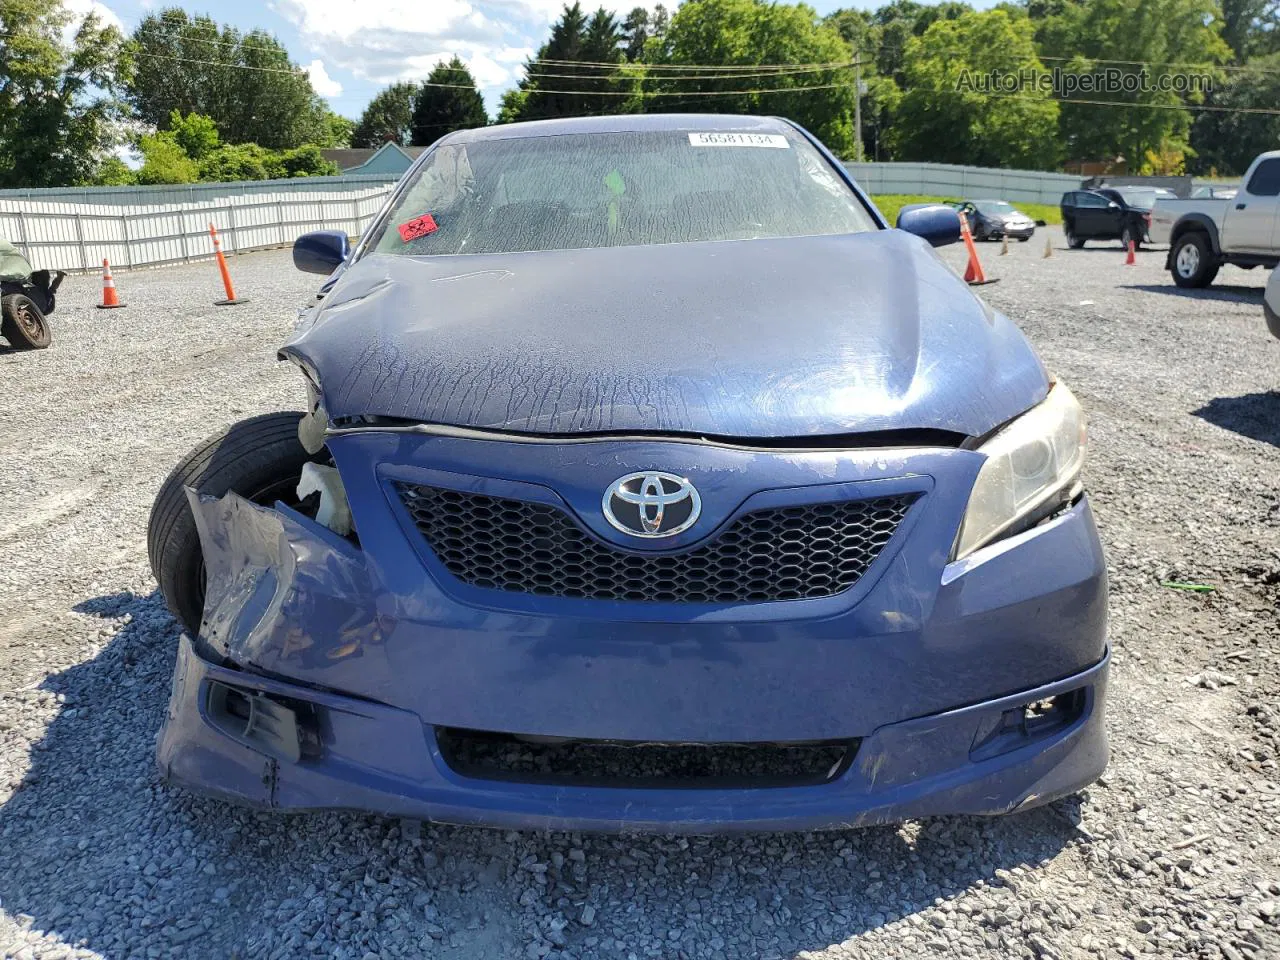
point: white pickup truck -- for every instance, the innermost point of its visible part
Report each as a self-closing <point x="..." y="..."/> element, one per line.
<point x="1204" y="234"/>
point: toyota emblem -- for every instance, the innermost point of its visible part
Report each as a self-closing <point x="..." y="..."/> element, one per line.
<point x="652" y="504"/>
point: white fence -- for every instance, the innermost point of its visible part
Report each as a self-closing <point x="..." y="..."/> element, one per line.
<point x="142" y="226"/>
<point x="967" y="183"/>
<point x="75" y="229"/>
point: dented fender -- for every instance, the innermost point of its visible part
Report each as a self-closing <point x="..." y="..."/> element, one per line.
<point x="284" y="595"/>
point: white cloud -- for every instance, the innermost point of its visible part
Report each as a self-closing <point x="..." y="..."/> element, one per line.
<point x="321" y="82"/>
<point x="385" y="41"/>
<point x="333" y="19"/>
<point x="79" y="9"/>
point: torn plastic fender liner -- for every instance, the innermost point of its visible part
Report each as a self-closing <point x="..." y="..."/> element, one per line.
<point x="283" y="594"/>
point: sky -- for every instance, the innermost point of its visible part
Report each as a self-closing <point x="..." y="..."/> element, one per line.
<point x="353" y="48"/>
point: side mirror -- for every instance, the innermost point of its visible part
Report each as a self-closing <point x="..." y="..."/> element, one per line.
<point x="321" y="252"/>
<point x="1113" y="205"/>
<point x="938" y="224"/>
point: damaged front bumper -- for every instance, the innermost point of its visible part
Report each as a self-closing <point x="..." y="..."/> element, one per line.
<point x="333" y="675"/>
<point x="925" y="767"/>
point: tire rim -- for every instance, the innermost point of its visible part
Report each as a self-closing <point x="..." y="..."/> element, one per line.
<point x="1188" y="261"/>
<point x="31" y="324"/>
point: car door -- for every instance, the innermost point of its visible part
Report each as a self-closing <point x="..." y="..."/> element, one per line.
<point x="1114" y="215"/>
<point x="1067" y="207"/>
<point x="1251" y="216"/>
<point x="1093" y="216"/>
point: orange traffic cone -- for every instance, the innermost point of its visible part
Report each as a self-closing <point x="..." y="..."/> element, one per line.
<point x="231" y="299"/>
<point x="973" y="274"/>
<point x="1130" y="260"/>
<point x="110" y="301"/>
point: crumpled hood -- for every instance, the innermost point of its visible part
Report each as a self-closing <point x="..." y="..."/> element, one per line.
<point x="755" y="338"/>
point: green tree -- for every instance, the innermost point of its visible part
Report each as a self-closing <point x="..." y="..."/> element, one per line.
<point x="58" y="108"/>
<point x="307" y="161"/>
<point x="751" y="33"/>
<point x="895" y="25"/>
<point x="512" y="106"/>
<point x="113" y="172"/>
<point x="945" y="116"/>
<point x="635" y="30"/>
<point x="1099" y="35"/>
<point x="1225" y="143"/>
<point x="164" y="161"/>
<point x="245" y="82"/>
<point x="241" y="161"/>
<point x="1249" y="26"/>
<point x="337" y="132"/>
<point x="455" y="104"/>
<point x="641" y="26"/>
<point x="388" y="118"/>
<point x="554" y="86"/>
<point x="859" y="29"/>
<point x="197" y="135"/>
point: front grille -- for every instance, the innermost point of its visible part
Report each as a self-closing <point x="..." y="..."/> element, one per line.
<point x="617" y="763"/>
<point x="785" y="553"/>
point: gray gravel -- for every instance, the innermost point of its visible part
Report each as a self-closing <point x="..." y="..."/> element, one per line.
<point x="1176" y="852"/>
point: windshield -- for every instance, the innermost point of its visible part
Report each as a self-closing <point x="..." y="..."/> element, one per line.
<point x="615" y="189"/>
<point x="1141" y="198"/>
<point x="995" y="207"/>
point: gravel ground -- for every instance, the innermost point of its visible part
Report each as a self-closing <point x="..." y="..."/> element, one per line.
<point x="1175" y="852"/>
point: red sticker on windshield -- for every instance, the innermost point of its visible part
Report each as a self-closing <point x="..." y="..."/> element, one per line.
<point x="417" y="227"/>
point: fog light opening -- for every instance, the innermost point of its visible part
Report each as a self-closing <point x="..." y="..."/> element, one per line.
<point x="1029" y="722"/>
<point x="279" y="727"/>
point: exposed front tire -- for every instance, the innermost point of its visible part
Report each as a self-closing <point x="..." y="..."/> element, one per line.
<point x="23" y="324"/>
<point x="261" y="459"/>
<point x="1073" y="241"/>
<point x="1128" y="235"/>
<point x="1192" y="262"/>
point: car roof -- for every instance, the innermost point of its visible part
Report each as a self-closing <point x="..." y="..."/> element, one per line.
<point x="625" y="123"/>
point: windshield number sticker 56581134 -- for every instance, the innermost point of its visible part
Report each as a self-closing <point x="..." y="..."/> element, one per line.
<point x="739" y="140"/>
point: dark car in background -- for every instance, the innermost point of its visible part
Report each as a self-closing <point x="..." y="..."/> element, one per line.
<point x="1109" y="213"/>
<point x="993" y="219"/>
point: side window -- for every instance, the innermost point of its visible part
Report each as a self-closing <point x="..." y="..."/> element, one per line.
<point x="1265" y="181"/>
<point x="1092" y="200"/>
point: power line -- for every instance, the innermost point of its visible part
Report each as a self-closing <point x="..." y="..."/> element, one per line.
<point x="644" y="94"/>
<point x="692" y="66"/>
<point x="665" y="77"/>
<point x="1245" y="68"/>
<point x="1264" y="111"/>
<point x="294" y="72"/>
<point x="661" y="93"/>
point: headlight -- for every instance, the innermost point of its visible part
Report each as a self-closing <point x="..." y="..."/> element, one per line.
<point x="1032" y="465"/>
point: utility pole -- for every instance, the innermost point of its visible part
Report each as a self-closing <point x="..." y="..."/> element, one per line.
<point x="857" y="108"/>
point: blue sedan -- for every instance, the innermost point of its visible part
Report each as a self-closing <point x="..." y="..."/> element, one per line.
<point x="646" y="480"/>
